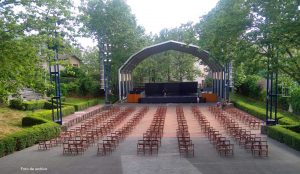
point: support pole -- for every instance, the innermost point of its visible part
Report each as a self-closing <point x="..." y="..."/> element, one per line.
<point x="276" y="95"/>
<point x="120" y="84"/>
<point x="267" y="96"/>
<point x="228" y="81"/>
<point x="217" y="83"/>
<point x="271" y="97"/>
<point x="219" y="79"/>
<point x="213" y="82"/>
<point x="223" y="84"/>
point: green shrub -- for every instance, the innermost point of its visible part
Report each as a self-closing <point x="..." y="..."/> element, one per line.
<point x="63" y="99"/>
<point x="287" y="121"/>
<point x="257" y="112"/>
<point x="47" y="114"/>
<point x="28" y="105"/>
<point x="262" y="96"/>
<point x="83" y="105"/>
<point x="8" y="145"/>
<point x="283" y="103"/>
<point x="34" y="105"/>
<point x="31" y="121"/>
<point x="48" y="105"/>
<point x="22" y="139"/>
<point x="16" y="104"/>
<point x="2" y="149"/>
<point x="295" y="128"/>
<point x="295" y="100"/>
<point x="250" y="87"/>
<point x="285" y="136"/>
<point x="26" y="138"/>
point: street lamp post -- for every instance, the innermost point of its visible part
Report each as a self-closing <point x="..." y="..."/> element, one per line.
<point x="107" y="61"/>
<point x="105" y="50"/>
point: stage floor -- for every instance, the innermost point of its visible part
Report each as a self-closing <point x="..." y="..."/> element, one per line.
<point x="169" y="99"/>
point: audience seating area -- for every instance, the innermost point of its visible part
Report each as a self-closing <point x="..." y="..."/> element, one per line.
<point x="222" y="144"/>
<point x="75" y="120"/>
<point x="78" y="139"/>
<point x="252" y="122"/>
<point x="250" y="141"/>
<point x="185" y="144"/>
<point x="152" y="137"/>
<point x="111" y="141"/>
<point x="106" y="128"/>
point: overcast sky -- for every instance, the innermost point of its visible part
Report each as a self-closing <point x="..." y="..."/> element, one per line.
<point x="155" y="15"/>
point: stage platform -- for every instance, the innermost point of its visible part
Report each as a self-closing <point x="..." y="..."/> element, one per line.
<point x="169" y="99"/>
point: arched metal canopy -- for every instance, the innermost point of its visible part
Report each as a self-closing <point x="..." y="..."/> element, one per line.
<point x="125" y="71"/>
<point x="136" y="58"/>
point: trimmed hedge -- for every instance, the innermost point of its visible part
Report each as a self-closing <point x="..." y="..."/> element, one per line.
<point x="28" y="137"/>
<point x="253" y="110"/>
<point x="38" y="127"/>
<point x="287" y="121"/>
<point x="295" y="128"/>
<point x="48" y="105"/>
<point x="259" y="112"/>
<point x="47" y="114"/>
<point x="28" y="105"/>
<point x="83" y="105"/>
<point x="34" y="105"/>
<point x="284" y="135"/>
<point x="31" y="121"/>
<point x="16" y="104"/>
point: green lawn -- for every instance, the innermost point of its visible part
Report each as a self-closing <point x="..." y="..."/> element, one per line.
<point x="74" y="100"/>
<point x="258" y="108"/>
<point x="10" y="120"/>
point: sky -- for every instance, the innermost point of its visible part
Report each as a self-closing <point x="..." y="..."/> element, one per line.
<point x="155" y="15"/>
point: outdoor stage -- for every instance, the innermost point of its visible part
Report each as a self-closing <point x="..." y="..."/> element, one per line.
<point x="182" y="92"/>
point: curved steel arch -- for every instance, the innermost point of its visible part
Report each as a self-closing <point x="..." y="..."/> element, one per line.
<point x="125" y="79"/>
<point x="136" y="58"/>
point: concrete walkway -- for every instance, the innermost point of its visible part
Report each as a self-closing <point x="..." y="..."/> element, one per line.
<point x="281" y="160"/>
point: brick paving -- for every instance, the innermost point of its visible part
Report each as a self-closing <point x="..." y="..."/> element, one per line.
<point x="124" y="160"/>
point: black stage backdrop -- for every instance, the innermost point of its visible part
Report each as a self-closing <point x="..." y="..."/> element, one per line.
<point x="171" y="89"/>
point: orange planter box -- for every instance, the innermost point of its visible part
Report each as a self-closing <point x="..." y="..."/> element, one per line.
<point x="210" y="97"/>
<point x="133" y="98"/>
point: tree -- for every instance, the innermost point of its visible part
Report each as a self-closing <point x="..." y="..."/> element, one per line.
<point x="112" y="23"/>
<point x="251" y="31"/>
<point x="170" y="65"/>
<point x="276" y="34"/>
<point x="25" y="28"/>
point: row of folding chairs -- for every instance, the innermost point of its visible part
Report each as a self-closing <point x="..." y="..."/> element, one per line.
<point x="108" y="145"/>
<point x="85" y="116"/>
<point x="185" y="144"/>
<point x="222" y="144"/>
<point x="77" y="131"/>
<point x="89" y="124"/>
<point x="251" y="121"/>
<point x="251" y="142"/>
<point x="92" y="135"/>
<point x="152" y="137"/>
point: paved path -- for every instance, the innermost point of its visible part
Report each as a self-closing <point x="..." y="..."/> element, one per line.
<point x="281" y="160"/>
